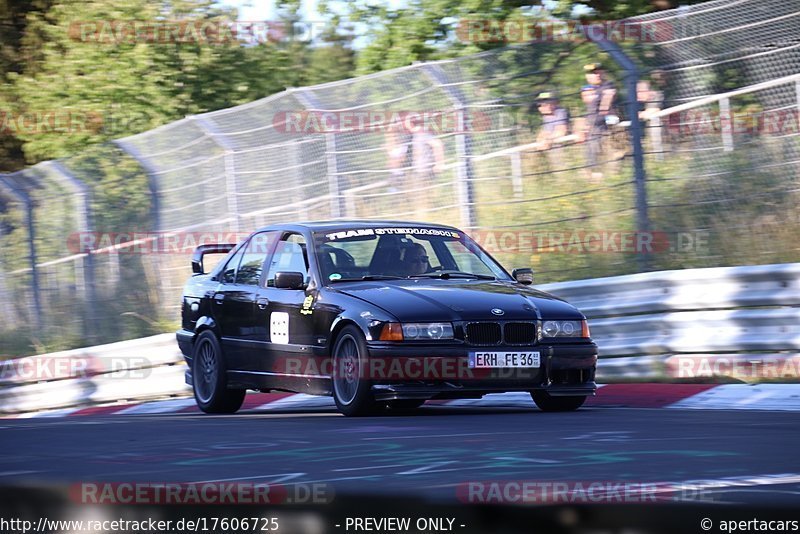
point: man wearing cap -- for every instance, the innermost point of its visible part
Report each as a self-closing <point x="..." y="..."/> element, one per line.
<point x="606" y="92"/>
<point x="599" y="97"/>
<point x="555" y="121"/>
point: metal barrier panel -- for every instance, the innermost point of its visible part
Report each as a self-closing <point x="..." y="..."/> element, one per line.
<point x="757" y="340"/>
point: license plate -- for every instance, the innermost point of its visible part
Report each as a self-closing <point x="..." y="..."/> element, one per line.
<point x="478" y="360"/>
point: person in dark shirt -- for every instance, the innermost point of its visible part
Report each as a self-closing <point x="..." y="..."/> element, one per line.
<point x="604" y="105"/>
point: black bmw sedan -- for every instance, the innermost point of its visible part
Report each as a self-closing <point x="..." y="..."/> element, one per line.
<point x="382" y="315"/>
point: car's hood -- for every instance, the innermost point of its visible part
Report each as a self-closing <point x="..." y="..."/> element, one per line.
<point x="459" y="300"/>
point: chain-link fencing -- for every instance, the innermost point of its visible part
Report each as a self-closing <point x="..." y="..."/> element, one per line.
<point x="723" y="157"/>
<point x="455" y="141"/>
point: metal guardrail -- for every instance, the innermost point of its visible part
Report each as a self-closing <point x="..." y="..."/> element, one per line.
<point x="133" y="370"/>
<point x="701" y="368"/>
<point x="156" y="383"/>
<point x="724" y="323"/>
<point x="730" y="323"/>
<point x="708" y="332"/>
<point x="685" y="290"/>
<point x="123" y="356"/>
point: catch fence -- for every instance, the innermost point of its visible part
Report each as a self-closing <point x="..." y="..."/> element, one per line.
<point x="96" y="246"/>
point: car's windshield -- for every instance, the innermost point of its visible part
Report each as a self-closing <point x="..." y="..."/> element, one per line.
<point x="390" y="252"/>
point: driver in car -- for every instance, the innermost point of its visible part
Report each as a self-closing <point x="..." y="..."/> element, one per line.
<point x="415" y="260"/>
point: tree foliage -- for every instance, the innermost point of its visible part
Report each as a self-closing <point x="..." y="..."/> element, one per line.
<point x="423" y="30"/>
<point x="92" y="91"/>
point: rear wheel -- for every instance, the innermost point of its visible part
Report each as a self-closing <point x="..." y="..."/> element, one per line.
<point x="209" y="381"/>
<point x="548" y="403"/>
<point x="351" y="389"/>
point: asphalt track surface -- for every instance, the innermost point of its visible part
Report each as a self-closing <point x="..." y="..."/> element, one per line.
<point x="751" y="456"/>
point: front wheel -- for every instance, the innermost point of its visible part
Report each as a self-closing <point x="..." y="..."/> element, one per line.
<point x="351" y="387"/>
<point x="209" y="381"/>
<point x="548" y="403"/>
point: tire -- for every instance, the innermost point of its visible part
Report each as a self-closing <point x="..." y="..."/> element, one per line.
<point x="548" y="403"/>
<point x="209" y="381"/>
<point x="351" y="391"/>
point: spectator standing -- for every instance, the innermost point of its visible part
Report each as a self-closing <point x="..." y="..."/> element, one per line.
<point x="599" y="97"/>
<point x="555" y="121"/>
<point x="397" y="149"/>
<point x="650" y="102"/>
<point x="554" y="129"/>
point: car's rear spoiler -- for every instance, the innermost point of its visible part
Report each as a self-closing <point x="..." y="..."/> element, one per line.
<point x="202" y="250"/>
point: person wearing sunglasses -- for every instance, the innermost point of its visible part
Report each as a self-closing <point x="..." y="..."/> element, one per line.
<point x="415" y="260"/>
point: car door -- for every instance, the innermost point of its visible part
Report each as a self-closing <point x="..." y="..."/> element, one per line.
<point x="284" y="316"/>
<point x="222" y="306"/>
<point x="235" y="299"/>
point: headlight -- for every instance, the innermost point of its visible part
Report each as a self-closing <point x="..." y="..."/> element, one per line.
<point x="565" y="329"/>
<point x="415" y="331"/>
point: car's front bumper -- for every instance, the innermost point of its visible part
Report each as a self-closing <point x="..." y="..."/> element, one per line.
<point x="388" y="392"/>
<point x="565" y="370"/>
<point x="185" y="340"/>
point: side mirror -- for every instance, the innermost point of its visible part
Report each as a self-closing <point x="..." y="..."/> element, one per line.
<point x="202" y="250"/>
<point x="523" y="276"/>
<point x="290" y="280"/>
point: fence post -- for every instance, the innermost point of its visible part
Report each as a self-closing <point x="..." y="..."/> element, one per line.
<point x="797" y="90"/>
<point x="155" y="211"/>
<point x="465" y="170"/>
<point x="516" y="173"/>
<point x="84" y="224"/>
<point x="656" y="139"/>
<point x="23" y="197"/>
<point x="295" y="164"/>
<point x="230" y="167"/>
<point x="152" y="181"/>
<point x="640" y="179"/>
<point x="726" y="124"/>
<point x="311" y="103"/>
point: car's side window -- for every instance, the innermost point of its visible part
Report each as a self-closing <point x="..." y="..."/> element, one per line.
<point x="228" y="275"/>
<point x="255" y="252"/>
<point x="290" y="255"/>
